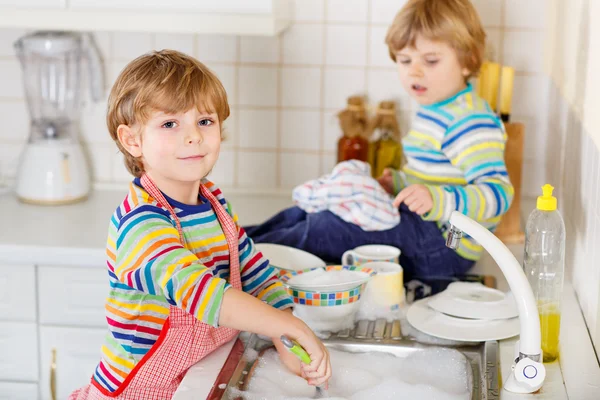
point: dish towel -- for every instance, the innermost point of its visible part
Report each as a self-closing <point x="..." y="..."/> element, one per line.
<point x="351" y="193"/>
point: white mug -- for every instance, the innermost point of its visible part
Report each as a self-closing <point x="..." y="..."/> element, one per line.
<point x="370" y="253"/>
<point x="385" y="289"/>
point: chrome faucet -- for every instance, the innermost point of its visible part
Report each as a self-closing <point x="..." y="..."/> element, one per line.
<point x="528" y="373"/>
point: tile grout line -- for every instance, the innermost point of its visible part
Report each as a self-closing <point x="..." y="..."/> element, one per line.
<point x="502" y="30"/>
<point x="279" y="113"/>
<point x="113" y="154"/>
<point x="320" y="162"/>
<point x="368" y="47"/>
<point x="236" y="124"/>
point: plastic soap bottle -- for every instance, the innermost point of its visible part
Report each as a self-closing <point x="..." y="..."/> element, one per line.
<point x="544" y="266"/>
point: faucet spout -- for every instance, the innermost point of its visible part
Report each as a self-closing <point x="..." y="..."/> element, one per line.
<point x="530" y="337"/>
<point x="454" y="236"/>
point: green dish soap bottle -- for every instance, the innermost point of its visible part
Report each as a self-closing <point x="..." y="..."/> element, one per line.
<point x="544" y="266"/>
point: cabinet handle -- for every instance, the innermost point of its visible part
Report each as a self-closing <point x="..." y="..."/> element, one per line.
<point x="53" y="375"/>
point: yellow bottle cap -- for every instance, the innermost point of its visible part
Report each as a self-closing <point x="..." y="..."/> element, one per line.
<point x="547" y="202"/>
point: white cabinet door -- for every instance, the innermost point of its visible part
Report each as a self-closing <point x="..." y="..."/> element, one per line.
<point x="18" y="391"/>
<point x="221" y="6"/>
<point x="17" y="292"/>
<point x="72" y="296"/>
<point x="34" y="3"/>
<point x="18" y="351"/>
<point x="77" y="355"/>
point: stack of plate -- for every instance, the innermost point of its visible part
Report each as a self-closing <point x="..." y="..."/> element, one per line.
<point x="466" y="311"/>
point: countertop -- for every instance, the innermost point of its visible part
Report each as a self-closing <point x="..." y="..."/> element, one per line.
<point x="76" y="235"/>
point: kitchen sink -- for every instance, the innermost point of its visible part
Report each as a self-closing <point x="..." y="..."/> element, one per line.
<point x="367" y="336"/>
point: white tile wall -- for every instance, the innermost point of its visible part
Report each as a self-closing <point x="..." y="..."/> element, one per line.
<point x="347" y="10"/>
<point x="285" y="91"/>
<point x="341" y="83"/>
<point x="258" y="49"/>
<point x="309" y="10"/>
<point x="298" y="168"/>
<point x="300" y="130"/>
<point x="527" y="56"/>
<point x="257" y="169"/>
<point x="301" y="87"/>
<point x="346" y="45"/>
<point x="579" y="201"/>
<point x="303" y="44"/>
<point x="384" y="11"/>
<point x="127" y="46"/>
<point x="528" y="14"/>
<point x="258" y="86"/>
<point x="217" y="48"/>
<point x="258" y="128"/>
<point x="183" y="43"/>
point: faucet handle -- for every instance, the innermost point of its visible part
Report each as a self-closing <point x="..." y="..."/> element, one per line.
<point x="530" y="373"/>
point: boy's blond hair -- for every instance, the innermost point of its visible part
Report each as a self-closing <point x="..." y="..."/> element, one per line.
<point x="454" y="22"/>
<point x="167" y="81"/>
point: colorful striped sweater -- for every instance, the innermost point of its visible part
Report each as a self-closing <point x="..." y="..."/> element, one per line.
<point x="456" y="149"/>
<point x="149" y="270"/>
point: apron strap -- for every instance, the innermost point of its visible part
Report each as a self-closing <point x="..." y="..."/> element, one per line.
<point x="225" y="220"/>
<point x="150" y="187"/>
<point x="231" y="235"/>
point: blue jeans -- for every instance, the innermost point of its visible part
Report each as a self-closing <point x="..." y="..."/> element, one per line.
<point x="424" y="252"/>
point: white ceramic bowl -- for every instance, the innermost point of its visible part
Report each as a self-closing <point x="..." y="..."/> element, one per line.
<point x="286" y="259"/>
<point x="332" y="307"/>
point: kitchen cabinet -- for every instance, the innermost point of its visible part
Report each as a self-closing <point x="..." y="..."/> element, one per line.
<point x="18" y="391"/>
<point x="77" y="355"/>
<point x="45" y="308"/>
<point x="72" y="296"/>
<point x="18" y="351"/>
<point x="17" y="292"/>
<point x="237" y="17"/>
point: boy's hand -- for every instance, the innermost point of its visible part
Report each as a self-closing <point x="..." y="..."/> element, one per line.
<point x="289" y="359"/>
<point x="416" y="197"/>
<point x="387" y="181"/>
<point x="318" y="372"/>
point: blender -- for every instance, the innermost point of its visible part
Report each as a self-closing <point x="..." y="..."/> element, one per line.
<point x="52" y="168"/>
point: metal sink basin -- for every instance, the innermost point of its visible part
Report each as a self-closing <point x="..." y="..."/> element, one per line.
<point x="367" y="336"/>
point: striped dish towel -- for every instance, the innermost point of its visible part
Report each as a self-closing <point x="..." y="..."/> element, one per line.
<point x="351" y="193"/>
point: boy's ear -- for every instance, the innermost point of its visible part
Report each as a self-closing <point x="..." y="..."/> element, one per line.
<point x="129" y="140"/>
<point x="466" y="72"/>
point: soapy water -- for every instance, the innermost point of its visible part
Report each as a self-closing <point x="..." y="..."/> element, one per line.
<point x="251" y="354"/>
<point x="435" y="373"/>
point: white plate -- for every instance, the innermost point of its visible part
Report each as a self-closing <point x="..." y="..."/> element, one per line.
<point x="474" y="300"/>
<point x="289" y="258"/>
<point x="434" y="323"/>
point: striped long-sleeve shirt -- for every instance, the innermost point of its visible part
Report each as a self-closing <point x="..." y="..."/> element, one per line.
<point x="456" y="149"/>
<point x="149" y="270"/>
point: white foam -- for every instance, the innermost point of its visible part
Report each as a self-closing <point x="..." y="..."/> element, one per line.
<point x="371" y="311"/>
<point x="327" y="319"/>
<point x="322" y="278"/>
<point x="428" y="374"/>
<point x="251" y="354"/>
